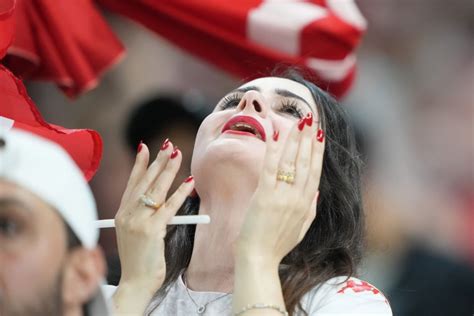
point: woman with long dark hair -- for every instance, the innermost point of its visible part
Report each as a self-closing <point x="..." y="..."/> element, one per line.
<point x="276" y="169"/>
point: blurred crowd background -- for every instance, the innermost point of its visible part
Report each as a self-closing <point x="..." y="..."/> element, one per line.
<point x="413" y="108"/>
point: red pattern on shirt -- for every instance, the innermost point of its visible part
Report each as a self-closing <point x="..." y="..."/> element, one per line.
<point x="359" y="287"/>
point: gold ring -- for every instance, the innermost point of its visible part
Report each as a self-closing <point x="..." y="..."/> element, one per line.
<point x="286" y="176"/>
<point x="149" y="202"/>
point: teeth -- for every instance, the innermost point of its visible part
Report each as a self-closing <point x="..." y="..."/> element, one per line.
<point x="245" y="127"/>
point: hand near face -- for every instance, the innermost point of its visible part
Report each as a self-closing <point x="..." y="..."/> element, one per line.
<point x="282" y="211"/>
<point x="141" y="229"/>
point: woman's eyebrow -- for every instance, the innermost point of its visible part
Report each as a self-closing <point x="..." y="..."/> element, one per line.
<point x="289" y="94"/>
<point x="245" y="89"/>
<point x="282" y="92"/>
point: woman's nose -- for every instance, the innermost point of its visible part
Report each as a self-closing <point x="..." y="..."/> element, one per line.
<point x="252" y="102"/>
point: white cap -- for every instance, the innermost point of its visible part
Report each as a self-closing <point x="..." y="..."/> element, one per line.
<point x="45" y="169"/>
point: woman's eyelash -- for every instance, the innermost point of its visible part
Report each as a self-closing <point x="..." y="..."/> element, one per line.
<point x="230" y="101"/>
<point x="292" y="108"/>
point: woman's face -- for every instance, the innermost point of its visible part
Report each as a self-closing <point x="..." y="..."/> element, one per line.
<point x="246" y="119"/>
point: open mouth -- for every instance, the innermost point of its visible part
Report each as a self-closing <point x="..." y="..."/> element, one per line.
<point x="245" y="125"/>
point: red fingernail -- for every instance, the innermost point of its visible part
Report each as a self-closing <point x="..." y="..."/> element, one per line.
<point x="309" y="119"/>
<point x="174" y="153"/>
<point x="301" y="123"/>
<point x="320" y="135"/>
<point x="276" y="134"/>
<point x="140" y="146"/>
<point x="189" y="179"/>
<point x="165" y="145"/>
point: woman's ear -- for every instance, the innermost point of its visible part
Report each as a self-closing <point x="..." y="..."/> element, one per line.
<point x="84" y="270"/>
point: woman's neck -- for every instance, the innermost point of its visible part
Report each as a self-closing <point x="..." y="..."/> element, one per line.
<point x="212" y="261"/>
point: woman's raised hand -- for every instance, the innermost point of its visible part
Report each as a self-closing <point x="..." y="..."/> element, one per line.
<point x="141" y="229"/>
<point x="284" y="204"/>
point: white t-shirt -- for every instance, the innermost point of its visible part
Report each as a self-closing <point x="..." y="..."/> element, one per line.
<point x="336" y="296"/>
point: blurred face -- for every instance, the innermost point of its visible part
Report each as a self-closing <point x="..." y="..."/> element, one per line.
<point x="245" y="119"/>
<point x="32" y="251"/>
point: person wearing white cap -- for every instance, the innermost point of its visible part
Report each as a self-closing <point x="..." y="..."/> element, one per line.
<point x="50" y="263"/>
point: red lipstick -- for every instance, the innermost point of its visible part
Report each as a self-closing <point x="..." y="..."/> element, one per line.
<point x="245" y="125"/>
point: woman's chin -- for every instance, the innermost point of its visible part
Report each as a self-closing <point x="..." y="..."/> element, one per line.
<point x="231" y="153"/>
<point x="239" y="149"/>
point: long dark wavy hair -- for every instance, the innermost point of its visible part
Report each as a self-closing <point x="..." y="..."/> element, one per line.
<point x="333" y="244"/>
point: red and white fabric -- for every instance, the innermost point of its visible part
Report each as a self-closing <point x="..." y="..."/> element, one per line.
<point x="17" y="110"/>
<point x="249" y="37"/>
<point x="67" y="42"/>
<point x="84" y="145"/>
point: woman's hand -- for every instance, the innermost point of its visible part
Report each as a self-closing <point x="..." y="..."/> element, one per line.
<point x="279" y="216"/>
<point x="280" y="213"/>
<point x="141" y="229"/>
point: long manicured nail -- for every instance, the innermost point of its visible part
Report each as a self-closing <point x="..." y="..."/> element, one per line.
<point x="302" y="123"/>
<point x="276" y="134"/>
<point x="165" y="145"/>
<point x="140" y="146"/>
<point x="309" y="119"/>
<point x="174" y="153"/>
<point x="320" y="135"/>
<point x="189" y="179"/>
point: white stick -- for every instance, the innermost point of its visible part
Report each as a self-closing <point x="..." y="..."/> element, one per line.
<point x="176" y="220"/>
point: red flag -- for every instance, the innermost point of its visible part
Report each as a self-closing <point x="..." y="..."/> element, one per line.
<point x="68" y="42"/>
<point x="64" y="41"/>
<point x="250" y="37"/>
<point x="84" y="146"/>
<point x="7" y="25"/>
